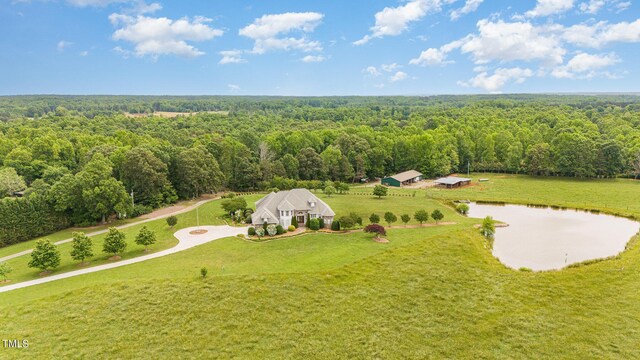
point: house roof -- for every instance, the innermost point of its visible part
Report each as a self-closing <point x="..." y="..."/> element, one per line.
<point x="407" y="175"/>
<point x="451" y="180"/>
<point x="296" y="199"/>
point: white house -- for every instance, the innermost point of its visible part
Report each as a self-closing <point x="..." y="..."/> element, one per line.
<point x="281" y="207"/>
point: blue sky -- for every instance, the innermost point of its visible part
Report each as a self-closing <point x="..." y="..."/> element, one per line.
<point x="331" y="47"/>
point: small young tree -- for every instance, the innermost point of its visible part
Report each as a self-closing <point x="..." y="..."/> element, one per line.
<point x="82" y="247"/>
<point x="335" y="225"/>
<point x="421" y="216"/>
<point x="329" y="190"/>
<point x="343" y="188"/>
<point x="437" y="215"/>
<point x="380" y="191"/>
<point x="114" y="242"/>
<point x="390" y="218"/>
<point x="374" y="218"/>
<point x="357" y="219"/>
<point x="146" y="237"/>
<point x="405" y="218"/>
<point x="45" y="256"/>
<point x="488" y="227"/>
<point x="172" y="221"/>
<point x="203" y="272"/>
<point x="462" y="208"/>
<point x="260" y="232"/>
<point x="375" y="229"/>
<point x="272" y="230"/>
<point x="5" y="270"/>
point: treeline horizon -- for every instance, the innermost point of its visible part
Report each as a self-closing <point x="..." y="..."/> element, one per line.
<point x="82" y="156"/>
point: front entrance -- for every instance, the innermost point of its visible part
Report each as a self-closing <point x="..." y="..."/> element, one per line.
<point x="300" y="219"/>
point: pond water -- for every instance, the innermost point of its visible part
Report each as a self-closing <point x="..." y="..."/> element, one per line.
<point x="546" y="239"/>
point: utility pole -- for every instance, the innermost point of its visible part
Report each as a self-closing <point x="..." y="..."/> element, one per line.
<point x="133" y="203"/>
<point x="197" y="217"/>
<point x="468" y="168"/>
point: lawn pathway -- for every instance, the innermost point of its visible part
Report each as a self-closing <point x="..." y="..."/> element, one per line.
<point x="186" y="240"/>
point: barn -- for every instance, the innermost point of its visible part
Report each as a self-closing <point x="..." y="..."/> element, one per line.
<point x="452" y="182"/>
<point x="403" y="178"/>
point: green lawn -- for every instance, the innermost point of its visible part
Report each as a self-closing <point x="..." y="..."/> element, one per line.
<point x="617" y="196"/>
<point x="432" y="292"/>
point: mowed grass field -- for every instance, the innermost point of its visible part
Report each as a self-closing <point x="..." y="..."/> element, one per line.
<point x="432" y="292"/>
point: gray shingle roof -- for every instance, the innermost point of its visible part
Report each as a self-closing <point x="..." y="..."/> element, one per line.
<point x="297" y="199"/>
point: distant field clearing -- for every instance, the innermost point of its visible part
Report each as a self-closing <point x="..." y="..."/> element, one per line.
<point x="170" y="114"/>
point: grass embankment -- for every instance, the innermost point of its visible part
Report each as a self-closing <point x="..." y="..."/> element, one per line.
<point x="209" y="214"/>
<point x="614" y="196"/>
<point x="432" y="292"/>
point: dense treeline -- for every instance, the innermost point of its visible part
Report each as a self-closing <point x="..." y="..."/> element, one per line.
<point x="26" y="218"/>
<point x="86" y="158"/>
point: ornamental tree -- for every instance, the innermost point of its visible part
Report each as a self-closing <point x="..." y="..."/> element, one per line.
<point x="114" y="242"/>
<point x="390" y="217"/>
<point x="437" y="215"/>
<point x="375" y="229"/>
<point x="380" y="191"/>
<point x="82" y="247"/>
<point x="146" y="237"/>
<point x="45" y="256"/>
<point x="421" y="216"/>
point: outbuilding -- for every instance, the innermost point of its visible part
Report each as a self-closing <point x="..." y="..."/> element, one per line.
<point x="403" y="178"/>
<point x="451" y="182"/>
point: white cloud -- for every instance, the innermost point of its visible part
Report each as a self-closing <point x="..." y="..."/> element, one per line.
<point x="371" y="70"/>
<point x="231" y="57"/>
<point x="431" y="56"/>
<point x="62" y="45"/>
<point x="162" y="36"/>
<point x="392" y="21"/>
<point x="398" y="76"/>
<point x="97" y="3"/>
<point x="584" y="65"/>
<point x="469" y="7"/>
<point x="622" y="6"/>
<point x="550" y="7"/>
<point x="501" y="77"/>
<point x="503" y="41"/>
<point x="602" y="33"/>
<point x="390" y="67"/>
<point x="267" y="30"/>
<point x="594" y="6"/>
<point x="138" y="7"/>
<point x="84" y="53"/>
<point x="313" y="59"/>
<point x="122" y="52"/>
<point x="233" y="88"/>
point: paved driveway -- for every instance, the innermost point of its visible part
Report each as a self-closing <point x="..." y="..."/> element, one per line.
<point x="185" y="241"/>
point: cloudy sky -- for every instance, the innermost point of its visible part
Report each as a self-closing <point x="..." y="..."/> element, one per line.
<point x="330" y="47"/>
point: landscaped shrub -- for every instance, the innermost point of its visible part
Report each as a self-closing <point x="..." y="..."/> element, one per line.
<point x="314" y="224"/>
<point x="335" y="226"/>
<point x="375" y="229"/>
<point x="172" y="221"/>
<point x="346" y="222"/>
<point x="229" y="195"/>
<point x="251" y="231"/>
<point x="260" y="232"/>
<point x="291" y="228"/>
<point x="279" y="230"/>
<point x="294" y="222"/>
<point x="271" y="230"/>
<point x="321" y="223"/>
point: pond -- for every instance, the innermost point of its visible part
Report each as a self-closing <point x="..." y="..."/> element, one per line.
<point x="547" y="239"/>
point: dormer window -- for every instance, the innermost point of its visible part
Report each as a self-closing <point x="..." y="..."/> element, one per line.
<point x="313" y="204"/>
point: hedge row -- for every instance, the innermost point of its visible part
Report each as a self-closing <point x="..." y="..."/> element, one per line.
<point x="22" y="219"/>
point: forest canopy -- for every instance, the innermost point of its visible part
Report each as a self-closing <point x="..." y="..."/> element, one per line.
<point x="85" y="155"/>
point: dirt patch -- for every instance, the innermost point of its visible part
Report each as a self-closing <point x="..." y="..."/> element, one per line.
<point x="198" y="232"/>
<point x="115" y="258"/>
<point x="381" y="240"/>
<point x="5" y="281"/>
<point x="163" y="211"/>
<point x="45" y="273"/>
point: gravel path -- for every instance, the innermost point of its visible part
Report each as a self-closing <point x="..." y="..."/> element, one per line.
<point x="185" y="241"/>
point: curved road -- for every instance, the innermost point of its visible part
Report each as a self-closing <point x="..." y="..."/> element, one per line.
<point x="187" y="209"/>
<point x="185" y="241"/>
